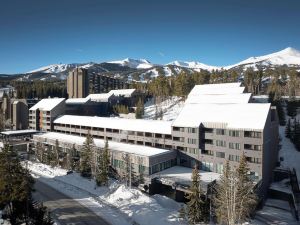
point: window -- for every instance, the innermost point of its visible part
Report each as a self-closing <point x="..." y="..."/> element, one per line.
<point x="180" y="129"/>
<point x="235" y="158"/>
<point x="235" y="146"/>
<point x="192" y="141"/>
<point x="221" y="143"/>
<point x="207" y="152"/>
<point x="253" y="147"/>
<point x="252" y="134"/>
<point x="209" y="141"/>
<point x="207" y="166"/>
<point x="191" y="130"/>
<point x="220" y="132"/>
<point x="234" y="133"/>
<point x="220" y="154"/>
<point x="193" y="151"/>
<point x="254" y="160"/>
<point x="219" y="168"/>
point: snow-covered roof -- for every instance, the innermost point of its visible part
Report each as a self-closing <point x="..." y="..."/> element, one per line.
<point x="250" y="116"/>
<point x="152" y="126"/>
<point x="183" y="175"/>
<point x="115" y="146"/>
<point x="18" y="132"/>
<point x="122" y="92"/>
<point x="104" y="97"/>
<point x="47" y="104"/>
<point x="77" y="100"/>
<point x="221" y="98"/>
<point x="224" y="88"/>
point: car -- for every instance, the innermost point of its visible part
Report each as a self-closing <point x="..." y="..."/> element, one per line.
<point x="69" y="172"/>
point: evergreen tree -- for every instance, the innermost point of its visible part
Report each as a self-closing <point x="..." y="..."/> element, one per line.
<point x="139" y="112"/>
<point x="288" y="129"/>
<point x="16" y="186"/>
<point x="86" y="156"/>
<point x="103" y="166"/>
<point x="56" y="151"/>
<point x="196" y="210"/>
<point x="246" y="198"/>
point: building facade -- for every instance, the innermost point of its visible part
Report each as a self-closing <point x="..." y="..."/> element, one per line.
<point x="78" y="83"/>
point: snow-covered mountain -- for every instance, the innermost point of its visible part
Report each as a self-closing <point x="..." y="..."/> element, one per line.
<point x="194" y="65"/>
<point x="143" y="70"/>
<point x="134" y="63"/>
<point x="55" y="68"/>
<point x="288" y="56"/>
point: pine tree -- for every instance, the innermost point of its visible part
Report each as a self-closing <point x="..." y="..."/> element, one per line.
<point x="103" y="166"/>
<point x="56" y="151"/>
<point x="139" y="112"/>
<point x="86" y="156"/>
<point x="288" y="129"/>
<point x="195" y="205"/>
<point x="16" y="185"/>
<point x="223" y="198"/>
<point x="246" y="198"/>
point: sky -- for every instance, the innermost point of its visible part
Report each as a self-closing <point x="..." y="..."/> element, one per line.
<point x="35" y="33"/>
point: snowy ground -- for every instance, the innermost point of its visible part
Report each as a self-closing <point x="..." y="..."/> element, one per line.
<point x="116" y="203"/>
<point x="291" y="157"/>
<point x="170" y="108"/>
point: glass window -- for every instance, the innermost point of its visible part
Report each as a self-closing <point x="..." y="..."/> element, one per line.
<point x="234" y="133"/>
<point x="221" y="143"/>
<point x="234" y="145"/>
<point x="220" y="154"/>
<point x="220" y="131"/>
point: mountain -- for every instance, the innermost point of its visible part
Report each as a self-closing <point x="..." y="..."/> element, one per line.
<point x="288" y="56"/>
<point x="134" y="63"/>
<point x="143" y="70"/>
<point x="194" y="65"/>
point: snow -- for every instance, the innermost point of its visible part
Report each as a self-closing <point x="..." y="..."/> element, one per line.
<point x="54" y="68"/>
<point x="221" y="98"/>
<point x="113" y="146"/>
<point x="171" y="108"/>
<point x="104" y="97"/>
<point x="19" y="132"/>
<point x="225" y="88"/>
<point x="134" y="63"/>
<point x="194" y="65"/>
<point x="77" y="100"/>
<point x="122" y="92"/>
<point x="250" y="116"/>
<point x="182" y="175"/>
<point x="274" y="212"/>
<point x="47" y="104"/>
<point x="291" y="157"/>
<point x="117" y="203"/>
<point x="288" y="56"/>
<point x="167" y="71"/>
<point x="161" y="127"/>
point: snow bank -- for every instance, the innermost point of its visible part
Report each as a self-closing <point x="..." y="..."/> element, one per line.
<point x="116" y="203"/>
<point x="144" y="209"/>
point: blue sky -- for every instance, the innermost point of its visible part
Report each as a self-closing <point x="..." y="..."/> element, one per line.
<point x="35" y="33"/>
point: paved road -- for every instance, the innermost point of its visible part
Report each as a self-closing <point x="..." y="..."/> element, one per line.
<point x="64" y="209"/>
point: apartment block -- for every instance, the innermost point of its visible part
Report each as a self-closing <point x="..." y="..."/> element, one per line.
<point x="43" y="114"/>
<point x="144" y="159"/>
<point x="78" y="83"/>
<point x="218" y="123"/>
<point x="100" y="83"/>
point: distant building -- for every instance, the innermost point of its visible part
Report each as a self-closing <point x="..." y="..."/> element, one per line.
<point x="78" y="83"/>
<point x="15" y="113"/>
<point x="100" y="83"/>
